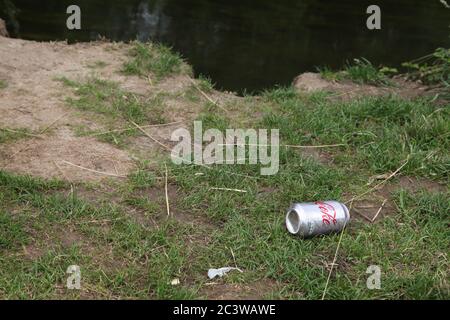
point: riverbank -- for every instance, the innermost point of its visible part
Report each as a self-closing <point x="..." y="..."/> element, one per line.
<point x="91" y="124"/>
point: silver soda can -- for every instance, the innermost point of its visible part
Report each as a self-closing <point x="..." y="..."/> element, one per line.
<point x="315" y="218"/>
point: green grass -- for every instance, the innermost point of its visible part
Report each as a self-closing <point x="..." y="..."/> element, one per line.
<point x="380" y="132"/>
<point x="125" y="259"/>
<point x="205" y="84"/>
<point x="432" y="69"/>
<point x="122" y="256"/>
<point x="362" y="71"/>
<point x="116" y="106"/>
<point x="10" y="135"/>
<point x="409" y="246"/>
<point x="128" y="248"/>
<point x="11" y="232"/>
<point x="330" y="75"/>
<point x="154" y="59"/>
<point x="3" y="84"/>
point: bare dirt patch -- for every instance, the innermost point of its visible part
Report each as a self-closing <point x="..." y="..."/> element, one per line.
<point x="49" y="157"/>
<point x="413" y="184"/>
<point x="180" y="215"/>
<point x="312" y="82"/>
<point x="227" y="291"/>
<point x="33" y="98"/>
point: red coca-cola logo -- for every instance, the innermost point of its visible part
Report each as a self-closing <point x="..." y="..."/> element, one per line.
<point x="328" y="212"/>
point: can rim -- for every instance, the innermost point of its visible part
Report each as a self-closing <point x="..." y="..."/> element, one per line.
<point x="293" y="221"/>
<point x="347" y="212"/>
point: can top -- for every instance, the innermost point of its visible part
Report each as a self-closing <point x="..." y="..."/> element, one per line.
<point x="293" y="221"/>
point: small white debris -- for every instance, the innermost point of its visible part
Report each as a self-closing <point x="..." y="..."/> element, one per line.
<point x="175" y="282"/>
<point x="212" y="273"/>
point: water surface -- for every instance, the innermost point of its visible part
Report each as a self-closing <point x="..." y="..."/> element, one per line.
<point x="247" y="45"/>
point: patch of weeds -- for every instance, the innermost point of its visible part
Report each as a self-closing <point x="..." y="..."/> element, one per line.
<point x="3" y="84"/>
<point x="192" y="94"/>
<point x="9" y="135"/>
<point x="252" y="223"/>
<point x="409" y="248"/>
<point x="381" y="132"/>
<point x="136" y="191"/>
<point x="205" y="84"/>
<point x="142" y="178"/>
<point x="142" y="203"/>
<point x="24" y="279"/>
<point x="328" y="74"/>
<point x="362" y="71"/>
<point x="111" y="135"/>
<point x="139" y="262"/>
<point x="28" y="184"/>
<point x="108" y="99"/>
<point x="297" y="178"/>
<point x="432" y="69"/>
<point x="156" y="59"/>
<point x="253" y="227"/>
<point x="280" y="94"/>
<point x="213" y="119"/>
<point x="12" y="231"/>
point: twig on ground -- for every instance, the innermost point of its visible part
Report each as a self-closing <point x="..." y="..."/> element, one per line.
<point x="53" y="123"/>
<point x="335" y="258"/>
<point x="228" y="189"/>
<point x="15" y="154"/>
<point x="20" y="132"/>
<point x="129" y="129"/>
<point x="174" y="156"/>
<point x="234" y="258"/>
<point x="379" y="210"/>
<point x="284" y="145"/>
<point x="100" y="221"/>
<point x="94" y="171"/>
<point x="366" y="207"/>
<point x="381" y="183"/>
<point x="318" y="146"/>
<point x="205" y="95"/>
<point x="166" y="191"/>
<point x="362" y="214"/>
<point x="60" y="170"/>
<point x="148" y="135"/>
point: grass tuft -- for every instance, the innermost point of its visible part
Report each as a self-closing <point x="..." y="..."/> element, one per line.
<point x="9" y="135"/>
<point x="432" y="69"/>
<point x="115" y="105"/>
<point x="156" y="59"/>
<point x="362" y="71"/>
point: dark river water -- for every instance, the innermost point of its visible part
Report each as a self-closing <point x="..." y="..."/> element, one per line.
<point x="247" y="45"/>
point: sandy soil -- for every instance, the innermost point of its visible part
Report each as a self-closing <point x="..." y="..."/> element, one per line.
<point x="34" y="100"/>
<point x="310" y="82"/>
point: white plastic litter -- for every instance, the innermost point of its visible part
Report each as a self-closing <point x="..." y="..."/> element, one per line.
<point x="212" y="273"/>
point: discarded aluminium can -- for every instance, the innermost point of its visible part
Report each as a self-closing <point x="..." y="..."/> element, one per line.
<point x="315" y="218"/>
